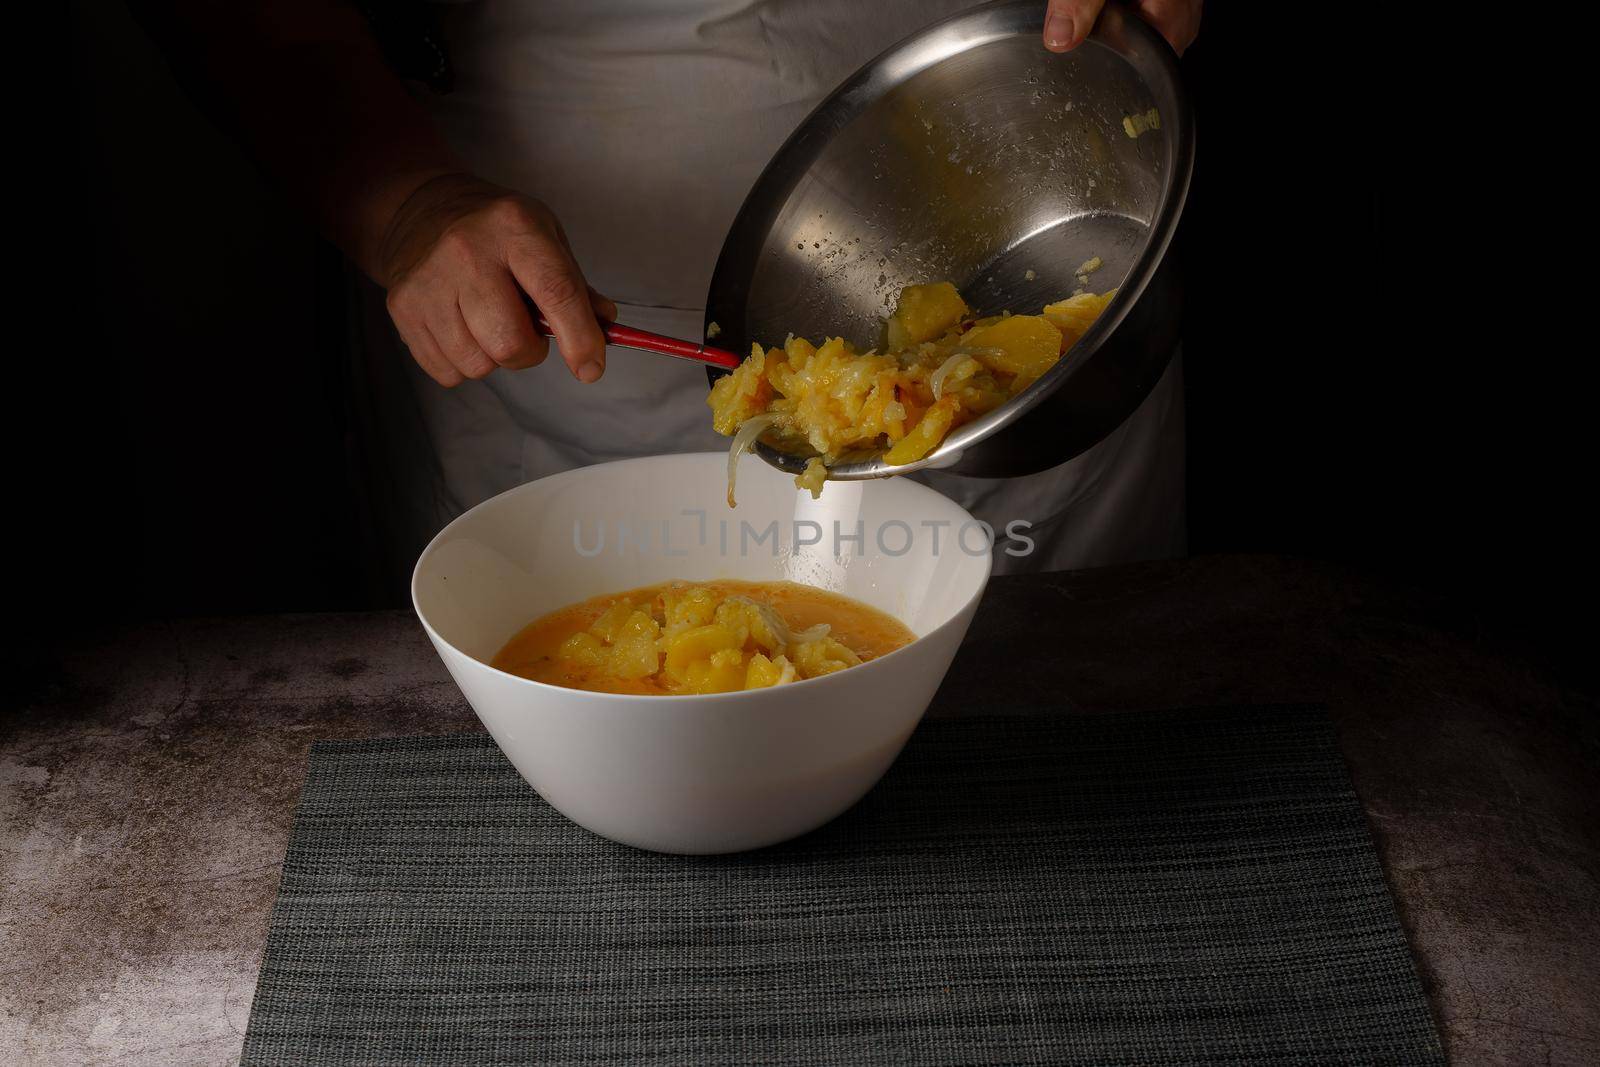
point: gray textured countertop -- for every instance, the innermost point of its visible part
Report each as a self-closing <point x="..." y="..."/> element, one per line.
<point x="147" y="787"/>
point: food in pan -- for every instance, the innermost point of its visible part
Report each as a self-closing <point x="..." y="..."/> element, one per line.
<point x="701" y="637"/>
<point x="939" y="368"/>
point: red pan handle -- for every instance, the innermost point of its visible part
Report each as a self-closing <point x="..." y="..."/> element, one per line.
<point x="645" y="341"/>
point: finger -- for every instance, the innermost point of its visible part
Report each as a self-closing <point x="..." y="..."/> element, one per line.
<point x="1068" y="22"/>
<point x="604" y="307"/>
<point x="498" y="319"/>
<point x="413" y="331"/>
<point x="552" y="278"/>
<point x="1176" y="20"/>
<point x="425" y="350"/>
<point x="449" y="329"/>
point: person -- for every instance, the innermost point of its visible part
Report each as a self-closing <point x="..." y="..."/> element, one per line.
<point x="591" y="156"/>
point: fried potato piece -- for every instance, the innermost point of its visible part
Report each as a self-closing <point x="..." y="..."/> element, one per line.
<point x="1024" y="346"/>
<point x="923" y="313"/>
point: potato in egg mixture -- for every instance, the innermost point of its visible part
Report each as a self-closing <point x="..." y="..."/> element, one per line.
<point x="940" y="368"/>
<point x="705" y="637"/>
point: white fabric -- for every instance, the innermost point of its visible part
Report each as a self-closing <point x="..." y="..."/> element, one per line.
<point x="643" y="124"/>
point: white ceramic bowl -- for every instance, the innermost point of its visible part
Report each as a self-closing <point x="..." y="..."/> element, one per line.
<point x="701" y="774"/>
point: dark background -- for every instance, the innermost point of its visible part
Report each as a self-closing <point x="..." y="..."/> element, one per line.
<point x="184" y="448"/>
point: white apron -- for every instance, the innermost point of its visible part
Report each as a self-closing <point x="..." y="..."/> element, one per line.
<point x="643" y="124"/>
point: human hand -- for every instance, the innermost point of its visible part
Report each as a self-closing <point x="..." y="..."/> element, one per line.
<point x="457" y="259"/>
<point x="1068" y="22"/>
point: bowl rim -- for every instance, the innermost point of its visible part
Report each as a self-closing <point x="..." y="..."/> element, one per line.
<point x="679" y="700"/>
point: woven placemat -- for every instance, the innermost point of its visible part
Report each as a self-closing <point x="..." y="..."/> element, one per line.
<point x="1176" y="887"/>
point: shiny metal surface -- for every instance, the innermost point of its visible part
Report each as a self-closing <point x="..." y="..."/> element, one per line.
<point x="970" y="153"/>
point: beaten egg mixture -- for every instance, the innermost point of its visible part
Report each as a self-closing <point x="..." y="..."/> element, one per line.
<point x="704" y="637"/>
<point x="940" y="368"/>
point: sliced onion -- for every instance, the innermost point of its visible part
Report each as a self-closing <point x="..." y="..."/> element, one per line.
<point x="743" y="441"/>
<point x="954" y="360"/>
<point x="779" y="627"/>
<point x="774" y="621"/>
